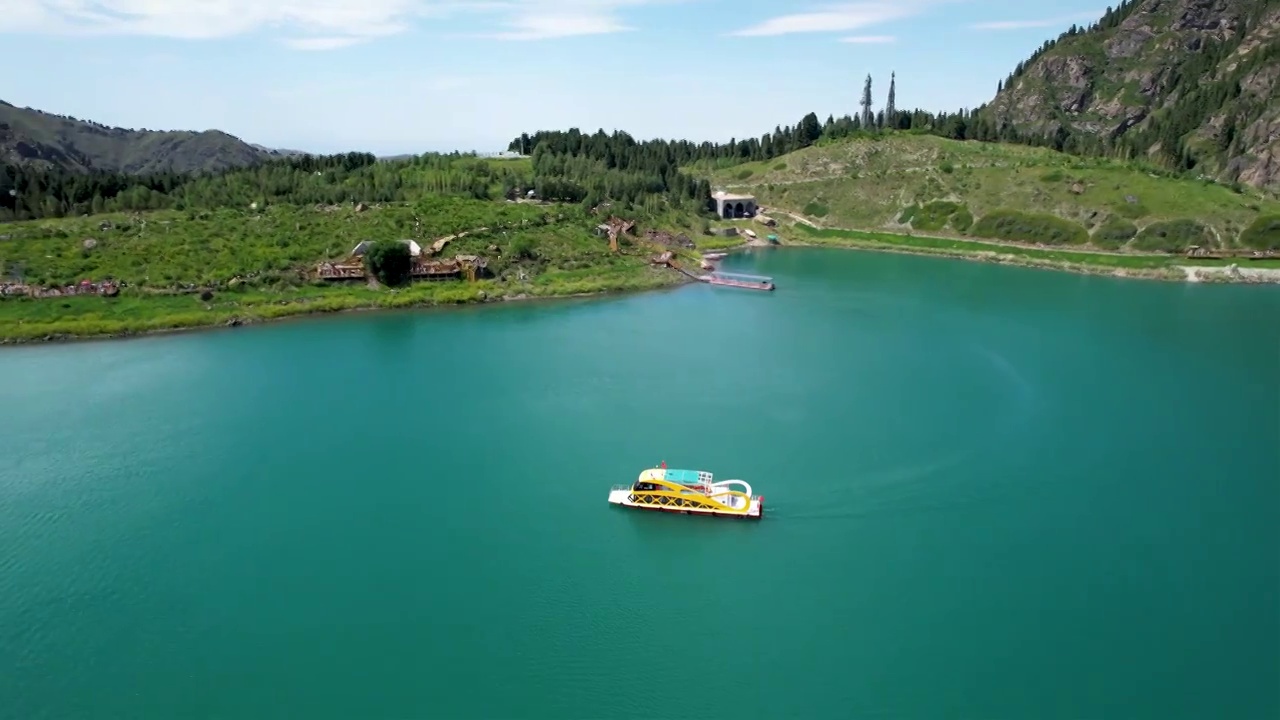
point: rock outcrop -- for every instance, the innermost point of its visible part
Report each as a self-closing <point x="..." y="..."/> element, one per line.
<point x="1190" y="82"/>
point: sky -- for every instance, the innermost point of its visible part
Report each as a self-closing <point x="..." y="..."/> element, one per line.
<point x="412" y="76"/>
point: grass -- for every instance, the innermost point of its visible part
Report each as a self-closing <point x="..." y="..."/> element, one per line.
<point x="872" y="184"/>
<point x="172" y="249"/>
<point x="259" y="266"/>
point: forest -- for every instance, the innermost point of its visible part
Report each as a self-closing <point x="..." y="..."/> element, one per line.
<point x="28" y="193"/>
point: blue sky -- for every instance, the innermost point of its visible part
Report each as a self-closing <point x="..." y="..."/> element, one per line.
<point x="393" y="76"/>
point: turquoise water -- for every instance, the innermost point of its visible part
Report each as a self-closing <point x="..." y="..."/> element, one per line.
<point x="992" y="492"/>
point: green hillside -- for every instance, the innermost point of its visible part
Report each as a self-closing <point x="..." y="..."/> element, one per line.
<point x="927" y="184"/>
<point x="209" y="267"/>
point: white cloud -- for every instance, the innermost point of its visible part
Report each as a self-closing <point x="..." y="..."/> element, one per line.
<point x="1042" y="23"/>
<point x="868" y="39"/>
<point x="310" y="24"/>
<point x="548" y="19"/>
<point x="322" y="43"/>
<point x="540" y="26"/>
<point x="834" y="18"/>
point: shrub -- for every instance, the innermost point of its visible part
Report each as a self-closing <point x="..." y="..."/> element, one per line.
<point x="962" y="219"/>
<point x="1113" y="233"/>
<point x="522" y="249"/>
<point x="934" y="215"/>
<point x="1262" y="234"/>
<point x="815" y="209"/>
<point x="389" y="261"/>
<point x="1029" y="227"/>
<point x="1171" y="236"/>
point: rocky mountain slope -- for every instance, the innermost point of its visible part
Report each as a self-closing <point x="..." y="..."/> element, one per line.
<point x="1191" y="83"/>
<point x="35" y="138"/>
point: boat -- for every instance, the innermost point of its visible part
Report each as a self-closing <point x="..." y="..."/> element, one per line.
<point x="692" y="492"/>
<point x="750" y="282"/>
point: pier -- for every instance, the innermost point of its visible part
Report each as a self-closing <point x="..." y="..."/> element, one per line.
<point x="749" y="282"/>
<point x="725" y="279"/>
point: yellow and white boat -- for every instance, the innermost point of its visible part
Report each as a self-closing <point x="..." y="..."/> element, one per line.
<point x="693" y="492"/>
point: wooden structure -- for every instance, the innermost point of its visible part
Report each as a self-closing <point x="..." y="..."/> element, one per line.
<point x="1196" y="251"/>
<point x="341" y="271"/>
<point x="435" y="269"/>
<point x="421" y="268"/>
<point x="614" y="227"/>
<point x="472" y="266"/>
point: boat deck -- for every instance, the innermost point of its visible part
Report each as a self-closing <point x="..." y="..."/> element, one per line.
<point x="691" y="492"/>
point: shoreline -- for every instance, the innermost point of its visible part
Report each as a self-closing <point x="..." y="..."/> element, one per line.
<point x="220" y="324"/>
<point x="1173" y="272"/>
<point x="1170" y="274"/>
<point x="1191" y="274"/>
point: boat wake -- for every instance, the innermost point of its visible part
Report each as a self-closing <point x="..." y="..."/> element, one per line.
<point x="965" y="477"/>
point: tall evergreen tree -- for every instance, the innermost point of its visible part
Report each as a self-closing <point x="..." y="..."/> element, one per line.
<point x="890" y="108"/>
<point x="867" y="119"/>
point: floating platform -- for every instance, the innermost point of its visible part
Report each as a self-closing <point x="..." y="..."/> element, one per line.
<point x="750" y="282"/>
<point x="692" y="492"/>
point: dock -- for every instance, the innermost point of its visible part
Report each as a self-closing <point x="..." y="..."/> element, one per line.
<point x="749" y="282"/>
<point x="724" y="279"/>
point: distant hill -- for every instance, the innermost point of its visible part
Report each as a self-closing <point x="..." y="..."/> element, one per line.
<point x="36" y="138"/>
<point x="1187" y="82"/>
<point x="280" y="152"/>
<point x="927" y="184"/>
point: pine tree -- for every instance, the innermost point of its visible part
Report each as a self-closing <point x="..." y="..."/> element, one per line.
<point x="890" y="108"/>
<point x="867" y="119"/>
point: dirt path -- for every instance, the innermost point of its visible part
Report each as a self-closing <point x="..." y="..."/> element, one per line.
<point x="995" y="244"/>
<point x="793" y="216"/>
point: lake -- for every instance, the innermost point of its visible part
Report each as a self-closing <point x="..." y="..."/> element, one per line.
<point x="991" y="492"/>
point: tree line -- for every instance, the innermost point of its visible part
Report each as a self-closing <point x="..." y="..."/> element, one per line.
<point x="654" y="166"/>
<point x="29" y="192"/>
<point x="589" y="168"/>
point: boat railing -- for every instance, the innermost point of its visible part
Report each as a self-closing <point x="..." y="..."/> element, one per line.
<point x="620" y="487"/>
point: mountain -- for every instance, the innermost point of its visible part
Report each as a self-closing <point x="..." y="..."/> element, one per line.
<point x="35" y="138"/>
<point x="279" y="152"/>
<point x="1189" y="83"/>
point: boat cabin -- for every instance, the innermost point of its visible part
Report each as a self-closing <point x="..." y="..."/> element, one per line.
<point x="689" y="478"/>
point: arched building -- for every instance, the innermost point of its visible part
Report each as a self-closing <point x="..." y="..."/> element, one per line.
<point x="729" y="205"/>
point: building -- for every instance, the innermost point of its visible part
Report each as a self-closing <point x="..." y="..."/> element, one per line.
<point x="729" y="205"/>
